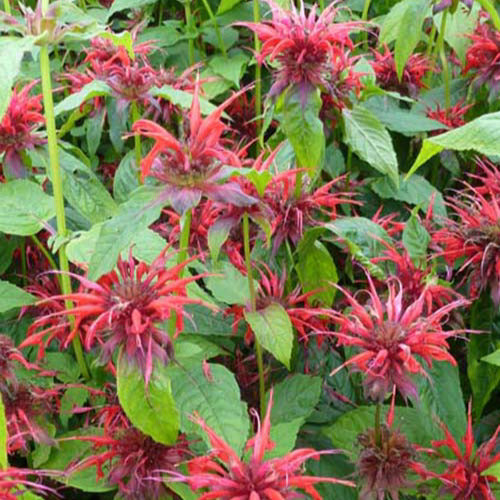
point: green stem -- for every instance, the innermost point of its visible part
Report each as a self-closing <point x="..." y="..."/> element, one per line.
<point x="216" y="27"/>
<point x="253" y="308"/>
<point x="298" y="184"/>
<point x="55" y="174"/>
<point x="22" y="248"/>
<point x="490" y="9"/>
<point x="364" y="17"/>
<point x="134" y="110"/>
<point x="6" y="6"/>
<point x="377" y="424"/>
<point x="322" y="5"/>
<point x="444" y="60"/>
<point x="45" y="252"/>
<point x="160" y="13"/>
<point x="428" y="52"/>
<point x="258" y="78"/>
<point x="189" y="20"/>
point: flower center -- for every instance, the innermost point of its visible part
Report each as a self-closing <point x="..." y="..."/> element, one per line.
<point x="389" y="334"/>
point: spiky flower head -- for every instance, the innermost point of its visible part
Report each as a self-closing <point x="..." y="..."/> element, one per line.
<point x="305" y="46"/>
<point x="390" y="336"/>
<point x="18" y="127"/>
<point x="225" y="476"/>
<point x="452" y="117"/>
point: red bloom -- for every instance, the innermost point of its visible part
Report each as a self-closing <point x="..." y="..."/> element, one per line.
<point x="389" y="337"/>
<point x="464" y="477"/>
<point x="136" y="462"/>
<point x="193" y="166"/>
<point x="26" y="408"/>
<point x="227" y="477"/>
<point x="483" y="58"/>
<point x="474" y="235"/>
<point x="452" y="117"/>
<point x="122" y="309"/>
<point x="305" y="46"/>
<point x="14" y="482"/>
<point x="414" y="71"/>
<point x="17" y="127"/>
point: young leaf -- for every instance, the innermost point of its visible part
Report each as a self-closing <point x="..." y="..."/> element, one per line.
<point x="273" y="329"/>
<point x="416" y="239"/>
<point x="96" y="88"/>
<point x="151" y="409"/>
<point x="11" y="297"/>
<point x="370" y="140"/>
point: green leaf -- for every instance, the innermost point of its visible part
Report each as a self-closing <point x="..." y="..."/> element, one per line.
<point x="11" y="297"/>
<point x="392" y="21"/>
<point x="481" y="135"/>
<point x="416" y="239"/>
<point x="231" y="287"/>
<point x="208" y="323"/>
<point x="4" y="463"/>
<point x="231" y="68"/>
<point x="226" y="5"/>
<point x="126" y="178"/>
<point x="123" y="39"/>
<point x="295" y="398"/>
<point x="273" y="329"/>
<point x="409" y="32"/>
<point x="151" y="409"/>
<point x="72" y="397"/>
<point x="117" y="233"/>
<point x="416" y="190"/>
<point x="370" y="140"/>
<point x="193" y="349"/>
<point x="284" y="436"/>
<point x="24" y="207"/>
<point x="94" y="127"/>
<point x="493" y="358"/>
<point x="119" y="5"/>
<point x="182" y="98"/>
<point x="494" y="470"/>
<point x="11" y="54"/>
<point x="317" y="270"/>
<point x="96" y="88"/>
<point x="441" y="396"/>
<point x="215" y="399"/>
<point x="217" y="235"/>
<point x="304" y="129"/>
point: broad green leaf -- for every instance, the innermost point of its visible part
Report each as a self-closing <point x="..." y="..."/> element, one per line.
<point x="118" y="233"/>
<point x="193" y="349"/>
<point x="24" y="207"/>
<point x="11" y="297"/>
<point x="151" y="409"/>
<point x="481" y="135"/>
<point x="3" y="437"/>
<point x="71" y="451"/>
<point x="94" y="126"/>
<point x="370" y="140"/>
<point x="228" y="284"/>
<point x="72" y="397"/>
<point x="231" y="68"/>
<point x="317" y="271"/>
<point x="123" y="39"/>
<point x="483" y="377"/>
<point x="226" y="5"/>
<point x="182" y="98"/>
<point x="304" y="129"/>
<point x="96" y="88"/>
<point x="217" y="235"/>
<point x="295" y="398"/>
<point x="391" y="23"/>
<point x="493" y="358"/>
<point x="215" y="398"/>
<point x="284" y="436"/>
<point x="494" y="471"/>
<point x="441" y="396"/>
<point x="416" y="190"/>
<point x="126" y="178"/>
<point x="7" y="248"/>
<point x="119" y="5"/>
<point x="416" y="239"/>
<point x="207" y="323"/>
<point x="11" y="54"/>
<point x="273" y="329"/>
<point x="163" y="36"/>
<point x="409" y="32"/>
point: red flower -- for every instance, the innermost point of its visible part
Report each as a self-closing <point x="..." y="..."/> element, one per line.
<point x="483" y="58"/>
<point x="390" y="336"/>
<point x="26" y="408"/>
<point x="465" y="477"/>
<point x="414" y="71"/>
<point x="136" y="462"/>
<point x="193" y="166"/>
<point x="305" y="46"/>
<point x="452" y="117"/>
<point x="474" y="235"/>
<point x="14" y="482"/>
<point x="17" y="127"/>
<point x="122" y="309"/>
<point x="227" y="477"/>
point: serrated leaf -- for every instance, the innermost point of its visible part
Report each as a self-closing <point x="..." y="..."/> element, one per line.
<point x="96" y="88"/>
<point x="126" y="178"/>
<point x="228" y="285"/>
<point x="217" y="235"/>
<point x="273" y="329"/>
<point x="370" y="140"/>
<point x="151" y="409"/>
<point x="231" y="68"/>
<point x="416" y="239"/>
<point x="216" y="400"/>
<point x="24" y="207"/>
<point x="481" y="135"/>
<point x="12" y="296"/>
<point x="304" y="129"/>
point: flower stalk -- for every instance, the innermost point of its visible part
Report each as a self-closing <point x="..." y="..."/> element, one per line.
<point x="189" y="19"/>
<point x="258" y="78"/>
<point x="48" y="105"/>
<point x="253" y="306"/>
<point x="6" y="6"/>
<point x="134" y="111"/>
<point x="210" y="13"/>
<point x="444" y="60"/>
